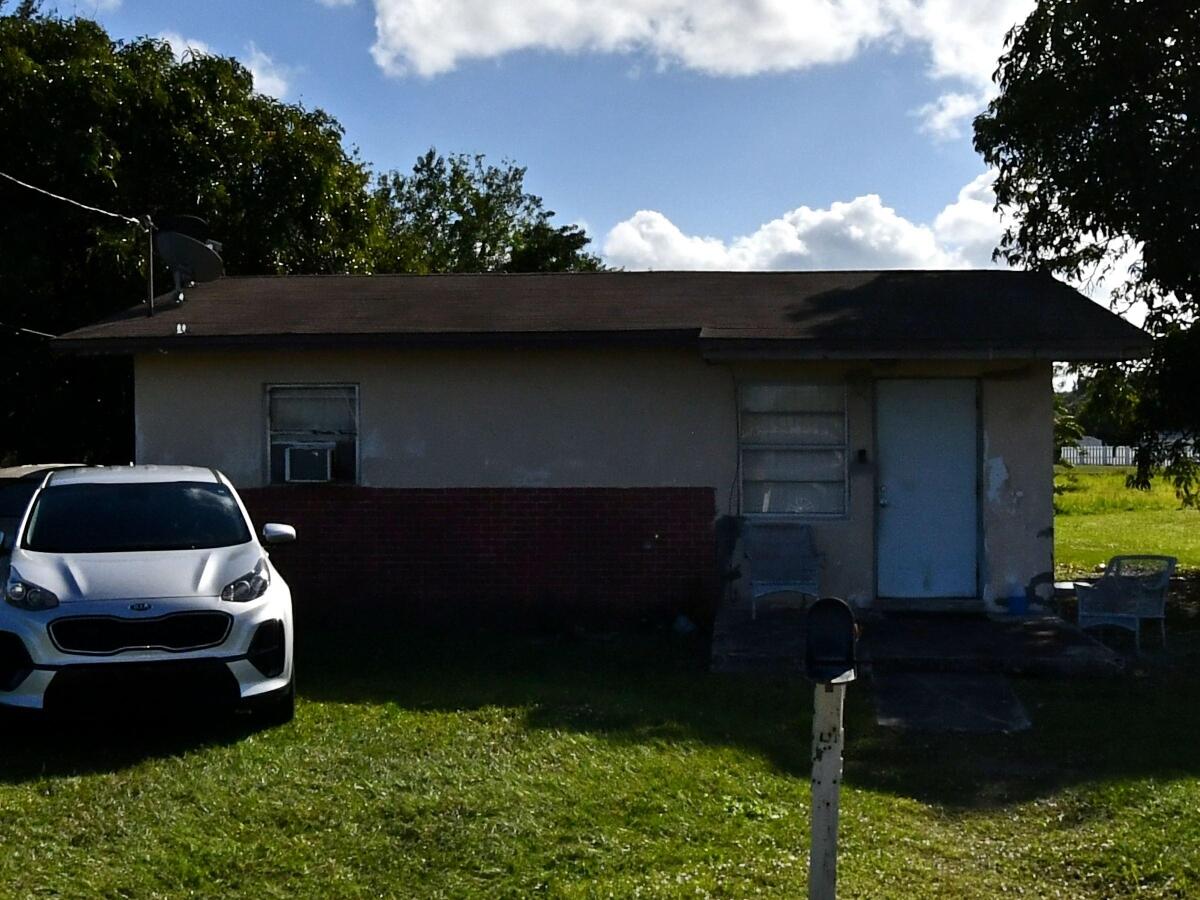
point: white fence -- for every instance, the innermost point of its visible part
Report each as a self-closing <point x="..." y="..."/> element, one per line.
<point x="1097" y="455"/>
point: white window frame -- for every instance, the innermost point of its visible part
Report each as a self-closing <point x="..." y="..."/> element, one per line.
<point x="270" y="386"/>
<point x="844" y="446"/>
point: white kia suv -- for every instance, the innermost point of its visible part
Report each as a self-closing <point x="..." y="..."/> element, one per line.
<point x="144" y="585"/>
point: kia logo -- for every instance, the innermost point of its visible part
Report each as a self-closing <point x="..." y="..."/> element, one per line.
<point x="139" y="607"/>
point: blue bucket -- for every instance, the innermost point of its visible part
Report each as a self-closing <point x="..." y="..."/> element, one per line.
<point x="1018" y="604"/>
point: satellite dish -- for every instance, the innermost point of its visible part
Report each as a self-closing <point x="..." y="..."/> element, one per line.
<point x="190" y="260"/>
<point x="192" y="226"/>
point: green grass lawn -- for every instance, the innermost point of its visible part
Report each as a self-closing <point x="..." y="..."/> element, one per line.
<point x="1097" y="517"/>
<point x="510" y="767"/>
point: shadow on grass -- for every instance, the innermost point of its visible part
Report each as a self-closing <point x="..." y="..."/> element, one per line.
<point x="1085" y="732"/>
<point x="638" y="689"/>
<point x="36" y="746"/>
<point x="628" y="688"/>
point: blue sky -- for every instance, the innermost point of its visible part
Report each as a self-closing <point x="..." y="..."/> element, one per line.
<point x="681" y="133"/>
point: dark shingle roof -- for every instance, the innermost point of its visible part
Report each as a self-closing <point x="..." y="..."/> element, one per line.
<point x="799" y="314"/>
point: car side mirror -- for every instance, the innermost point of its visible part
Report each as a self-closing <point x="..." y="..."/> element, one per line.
<point x="830" y="634"/>
<point x="274" y="533"/>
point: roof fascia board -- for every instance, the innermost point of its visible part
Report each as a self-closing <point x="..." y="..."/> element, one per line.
<point x="727" y="349"/>
<point x="101" y="345"/>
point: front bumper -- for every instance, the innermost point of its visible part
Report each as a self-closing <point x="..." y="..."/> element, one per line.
<point x="238" y="668"/>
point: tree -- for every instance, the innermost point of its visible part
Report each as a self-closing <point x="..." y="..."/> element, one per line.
<point x="126" y="127"/>
<point x="1067" y="430"/>
<point x="457" y="213"/>
<point x="1095" y="140"/>
<point x="1105" y="405"/>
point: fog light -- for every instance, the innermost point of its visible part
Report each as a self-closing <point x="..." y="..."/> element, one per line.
<point x="268" y="649"/>
<point x="15" y="663"/>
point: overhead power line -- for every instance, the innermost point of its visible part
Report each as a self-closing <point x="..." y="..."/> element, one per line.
<point x="147" y="226"/>
<point x="104" y="212"/>
<point x="17" y="329"/>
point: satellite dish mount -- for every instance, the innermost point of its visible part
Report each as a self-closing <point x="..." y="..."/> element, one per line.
<point x="189" y="253"/>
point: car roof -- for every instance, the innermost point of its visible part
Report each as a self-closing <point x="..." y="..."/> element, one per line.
<point x="132" y="475"/>
<point x="12" y="473"/>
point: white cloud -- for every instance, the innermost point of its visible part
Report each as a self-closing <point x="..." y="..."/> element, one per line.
<point x="949" y="116"/>
<point x="965" y="40"/>
<point x="649" y="240"/>
<point x="861" y="233"/>
<point x="184" y="47"/>
<point x="970" y="225"/>
<point x="719" y="37"/>
<point x="270" y="77"/>
<point x="962" y="38"/>
<point x="106" y="5"/>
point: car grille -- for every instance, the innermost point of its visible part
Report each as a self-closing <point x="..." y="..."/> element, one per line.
<point x="104" y="635"/>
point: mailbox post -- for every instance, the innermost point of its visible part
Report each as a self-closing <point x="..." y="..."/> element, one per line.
<point x="830" y="634"/>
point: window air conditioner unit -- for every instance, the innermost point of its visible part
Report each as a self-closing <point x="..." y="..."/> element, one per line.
<point x="308" y="463"/>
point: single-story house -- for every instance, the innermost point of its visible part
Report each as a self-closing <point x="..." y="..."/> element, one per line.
<point x="571" y="443"/>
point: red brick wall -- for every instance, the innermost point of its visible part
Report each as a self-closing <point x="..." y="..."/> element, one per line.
<point x="509" y="556"/>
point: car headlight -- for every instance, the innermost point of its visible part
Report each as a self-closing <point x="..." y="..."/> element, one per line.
<point x="250" y="586"/>
<point x="26" y="595"/>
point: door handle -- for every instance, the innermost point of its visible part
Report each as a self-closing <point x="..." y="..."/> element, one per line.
<point x="883" y="500"/>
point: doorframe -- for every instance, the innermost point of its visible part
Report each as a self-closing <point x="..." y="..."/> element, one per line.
<point x="928" y="603"/>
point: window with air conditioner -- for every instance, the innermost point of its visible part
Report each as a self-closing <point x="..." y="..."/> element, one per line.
<point x="313" y="433"/>
<point x="792" y="446"/>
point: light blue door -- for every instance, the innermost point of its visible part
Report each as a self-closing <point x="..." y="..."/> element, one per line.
<point x="927" y="494"/>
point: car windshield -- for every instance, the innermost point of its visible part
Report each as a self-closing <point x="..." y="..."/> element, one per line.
<point x="123" y="517"/>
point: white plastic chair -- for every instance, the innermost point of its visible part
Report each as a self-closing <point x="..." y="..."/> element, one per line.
<point x="1133" y="588"/>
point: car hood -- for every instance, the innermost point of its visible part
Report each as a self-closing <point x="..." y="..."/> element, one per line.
<point x="137" y="576"/>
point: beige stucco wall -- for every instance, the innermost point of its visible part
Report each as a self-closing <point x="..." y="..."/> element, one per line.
<point x="482" y="418"/>
<point x="602" y="418"/>
<point x="1017" y="477"/>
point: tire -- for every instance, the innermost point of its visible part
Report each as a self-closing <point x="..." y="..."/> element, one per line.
<point x="281" y="708"/>
<point x="276" y="708"/>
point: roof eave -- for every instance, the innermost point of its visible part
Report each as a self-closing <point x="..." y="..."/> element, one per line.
<point x="101" y="345"/>
<point x="711" y="348"/>
<point x="814" y="349"/>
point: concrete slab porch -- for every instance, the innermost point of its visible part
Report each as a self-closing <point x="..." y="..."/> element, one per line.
<point x="970" y="703"/>
<point x="1016" y="645"/>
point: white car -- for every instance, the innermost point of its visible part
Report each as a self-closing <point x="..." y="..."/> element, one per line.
<point x="144" y="585"/>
